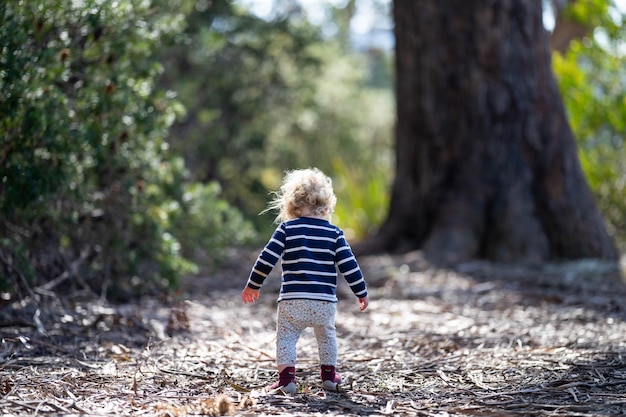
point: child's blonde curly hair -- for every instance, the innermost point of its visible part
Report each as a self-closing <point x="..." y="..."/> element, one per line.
<point x="303" y="192"/>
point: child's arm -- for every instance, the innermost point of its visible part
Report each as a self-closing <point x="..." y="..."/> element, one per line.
<point x="363" y="303"/>
<point x="249" y="295"/>
<point x="349" y="267"/>
<point x="264" y="265"/>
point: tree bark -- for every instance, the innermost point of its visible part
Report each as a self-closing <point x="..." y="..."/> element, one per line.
<point x="486" y="163"/>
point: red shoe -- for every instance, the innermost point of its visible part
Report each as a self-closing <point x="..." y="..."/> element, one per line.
<point x="330" y="378"/>
<point x="286" y="381"/>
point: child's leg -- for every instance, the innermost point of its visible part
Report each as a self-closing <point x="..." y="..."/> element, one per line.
<point x="326" y="336"/>
<point x="327" y="345"/>
<point x="287" y="335"/>
<point x="296" y="315"/>
<point x="286" y="339"/>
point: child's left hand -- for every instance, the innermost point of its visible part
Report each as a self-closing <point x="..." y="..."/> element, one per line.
<point x="249" y="295"/>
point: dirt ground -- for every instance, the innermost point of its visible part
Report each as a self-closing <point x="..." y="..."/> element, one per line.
<point x="479" y="339"/>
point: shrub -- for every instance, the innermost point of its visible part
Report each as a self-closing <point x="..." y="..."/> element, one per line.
<point x="90" y="194"/>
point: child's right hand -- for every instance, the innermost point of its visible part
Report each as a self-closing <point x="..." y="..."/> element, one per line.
<point x="363" y="303"/>
<point x="249" y="295"/>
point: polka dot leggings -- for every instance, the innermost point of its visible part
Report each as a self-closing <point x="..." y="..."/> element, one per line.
<point x="296" y="315"/>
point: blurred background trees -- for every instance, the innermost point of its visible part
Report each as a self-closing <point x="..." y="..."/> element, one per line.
<point x="140" y="138"/>
<point x="267" y="94"/>
<point x="590" y="72"/>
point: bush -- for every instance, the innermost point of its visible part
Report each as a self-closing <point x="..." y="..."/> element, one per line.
<point x="90" y="194"/>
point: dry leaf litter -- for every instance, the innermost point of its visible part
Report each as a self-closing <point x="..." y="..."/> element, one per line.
<point x="480" y="339"/>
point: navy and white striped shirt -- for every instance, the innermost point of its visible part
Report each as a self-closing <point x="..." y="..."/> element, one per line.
<point x="311" y="251"/>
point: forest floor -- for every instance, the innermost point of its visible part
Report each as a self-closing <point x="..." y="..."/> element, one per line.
<point x="480" y="339"/>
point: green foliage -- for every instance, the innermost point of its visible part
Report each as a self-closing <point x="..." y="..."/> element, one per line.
<point x="365" y="198"/>
<point x="97" y="98"/>
<point x="353" y="134"/>
<point x="591" y="13"/>
<point x="209" y="222"/>
<point x="239" y="77"/>
<point x="263" y="97"/>
<point x="88" y="186"/>
<point x="593" y="84"/>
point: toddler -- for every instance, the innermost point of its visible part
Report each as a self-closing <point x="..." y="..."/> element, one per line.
<point x="311" y="250"/>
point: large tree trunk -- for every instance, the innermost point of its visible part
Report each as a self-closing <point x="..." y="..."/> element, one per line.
<point x="486" y="164"/>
